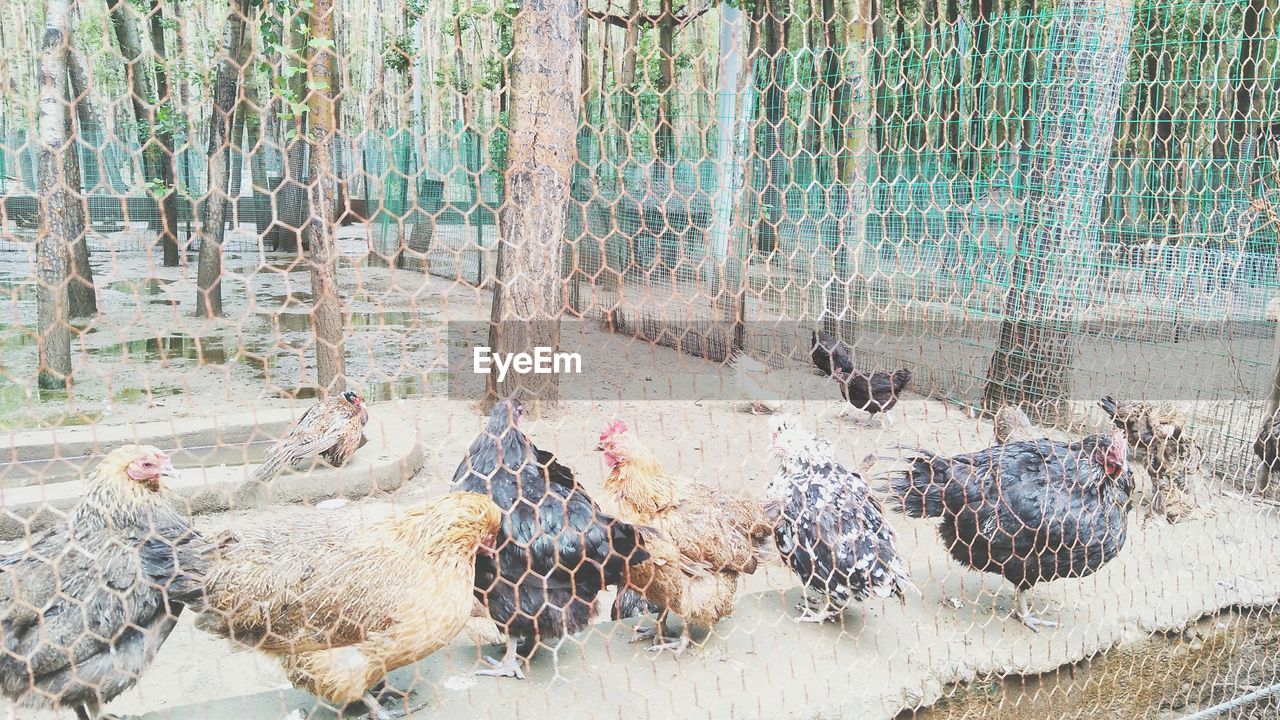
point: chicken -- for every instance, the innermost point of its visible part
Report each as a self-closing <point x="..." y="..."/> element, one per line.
<point x="702" y="539"/>
<point x="343" y="601"/>
<point x="758" y="391"/>
<point x="873" y="394"/>
<point x="831" y="531"/>
<point x="1171" y="457"/>
<point x="1267" y="446"/>
<point x="332" y="429"/>
<point x="1011" y="424"/>
<point x="556" y="549"/>
<point x="86" y="604"/>
<point x="829" y="354"/>
<point x="1032" y="511"/>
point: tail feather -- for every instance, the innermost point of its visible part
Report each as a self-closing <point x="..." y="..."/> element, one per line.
<point x="271" y="465"/>
<point x="629" y="604"/>
<point x="1109" y="405"/>
<point x="626" y="548"/>
<point x="919" y="490"/>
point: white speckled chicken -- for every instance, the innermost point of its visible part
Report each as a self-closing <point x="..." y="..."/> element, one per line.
<point x="830" y="530"/>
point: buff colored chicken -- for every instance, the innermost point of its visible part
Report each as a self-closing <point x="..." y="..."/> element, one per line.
<point x="1011" y="424"/>
<point x="343" y="601"/>
<point x="699" y="539"/>
<point x="85" y="605"/>
<point x="332" y="429"/>
<point x="1160" y="441"/>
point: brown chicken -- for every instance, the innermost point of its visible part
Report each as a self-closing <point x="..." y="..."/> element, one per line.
<point x="344" y="601"/>
<point x="1011" y="424"/>
<point x="1160" y="440"/>
<point x="85" y="605"/>
<point x="332" y="429"/>
<point x="702" y="539"/>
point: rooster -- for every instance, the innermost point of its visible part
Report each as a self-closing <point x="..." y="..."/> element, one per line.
<point x="831" y="531"/>
<point x="343" y="601"/>
<point x="332" y="429"/>
<point x="85" y="605"/>
<point x="1171" y="457"/>
<point x="701" y="540"/>
<point x="556" y="549"/>
<point x="1267" y="446"/>
<point x="828" y="353"/>
<point x="873" y="394"/>
<point x="1032" y="511"/>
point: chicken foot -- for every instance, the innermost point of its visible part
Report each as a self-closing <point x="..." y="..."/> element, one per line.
<point x="91" y="711"/>
<point x="511" y="665"/>
<point x="1024" y="614"/>
<point x="649" y="631"/>
<point x="816" y="610"/>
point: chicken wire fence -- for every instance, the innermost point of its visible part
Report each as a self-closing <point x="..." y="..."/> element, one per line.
<point x="995" y="213"/>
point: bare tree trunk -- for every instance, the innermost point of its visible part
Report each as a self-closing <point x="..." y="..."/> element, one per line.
<point x="1076" y="108"/>
<point x="292" y="191"/>
<point x="57" y="199"/>
<point x="326" y="313"/>
<point x="142" y="94"/>
<point x="664" y="138"/>
<point x="1246" y="70"/>
<point x="774" y="99"/>
<point x="627" y="78"/>
<point x="226" y="89"/>
<point x="528" y="296"/>
<point x="81" y="297"/>
<point x="164" y="134"/>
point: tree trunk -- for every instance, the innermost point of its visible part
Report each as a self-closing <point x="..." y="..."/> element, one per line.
<point x="142" y="96"/>
<point x="81" y="297"/>
<point x="1246" y="70"/>
<point x="226" y="90"/>
<point x="57" y="200"/>
<point x="292" y="192"/>
<point x="627" y="79"/>
<point x="982" y="15"/>
<point x="836" y="90"/>
<point x="1058" y="243"/>
<point x="326" y="313"/>
<point x="164" y="134"/>
<point x="528" y="296"/>
<point x="844" y="297"/>
<point x="664" y="136"/>
<point x="771" y="149"/>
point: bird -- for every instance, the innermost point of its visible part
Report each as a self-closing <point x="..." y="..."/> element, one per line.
<point x="86" y="604"/>
<point x="1031" y="511"/>
<point x="1267" y="445"/>
<point x="873" y="394"/>
<point x="700" y="539"/>
<point x="828" y="353"/>
<point x="332" y="428"/>
<point x="1160" y="440"/>
<point x="759" y="392"/>
<point x="342" y="601"/>
<point x="1011" y="424"/>
<point x="831" y="530"/>
<point x="556" y="549"/>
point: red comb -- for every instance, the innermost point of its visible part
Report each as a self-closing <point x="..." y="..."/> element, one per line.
<point x="615" y="427"/>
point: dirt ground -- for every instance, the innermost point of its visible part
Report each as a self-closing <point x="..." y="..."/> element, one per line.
<point x="884" y="658"/>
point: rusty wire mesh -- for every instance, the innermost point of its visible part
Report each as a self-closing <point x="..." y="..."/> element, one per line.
<point x="1032" y="205"/>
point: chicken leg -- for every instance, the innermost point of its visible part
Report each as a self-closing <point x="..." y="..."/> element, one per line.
<point x="91" y="711"/>
<point x="511" y="665"/>
<point x="1024" y="614"/>
<point x="651" y="631"/>
<point x="816" y="610"/>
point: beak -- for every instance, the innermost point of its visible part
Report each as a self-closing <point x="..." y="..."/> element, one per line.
<point x="599" y="447"/>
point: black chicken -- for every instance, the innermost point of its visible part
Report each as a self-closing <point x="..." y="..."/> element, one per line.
<point x="1267" y="446"/>
<point x="1031" y="511"/>
<point x="85" y="605"/>
<point x="873" y="394"/>
<point x="332" y="429"/>
<point x="829" y="354"/>
<point x="555" y="550"/>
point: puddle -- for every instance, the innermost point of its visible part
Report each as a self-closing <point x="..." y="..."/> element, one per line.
<point x="1164" y="678"/>
<point x="209" y="350"/>
<point x="432" y="384"/>
<point x="63" y="469"/>
<point x="149" y="286"/>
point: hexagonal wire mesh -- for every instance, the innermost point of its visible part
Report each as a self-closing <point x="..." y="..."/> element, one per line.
<point x="713" y="212"/>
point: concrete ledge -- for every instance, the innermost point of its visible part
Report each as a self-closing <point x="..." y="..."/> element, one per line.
<point x="885" y="657"/>
<point x="389" y="459"/>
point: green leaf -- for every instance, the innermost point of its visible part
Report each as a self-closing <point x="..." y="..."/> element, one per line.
<point x="317" y="85"/>
<point x="320" y="44"/>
